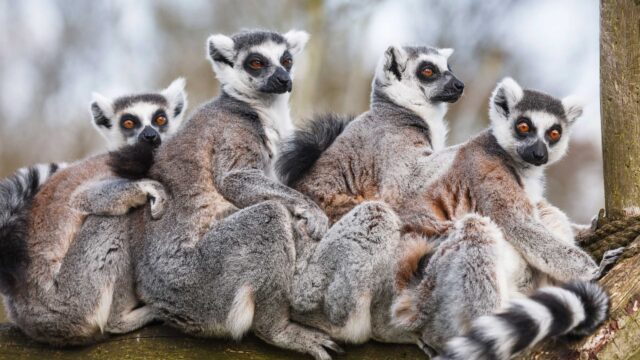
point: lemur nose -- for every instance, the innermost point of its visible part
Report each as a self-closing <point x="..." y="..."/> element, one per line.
<point x="458" y="85"/>
<point x="283" y="80"/>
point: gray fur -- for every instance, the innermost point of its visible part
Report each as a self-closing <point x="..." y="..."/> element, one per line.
<point x="202" y="267"/>
<point x="219" y="164"/>
<point x="502" y="249"/>
<point x="77" y="284"/>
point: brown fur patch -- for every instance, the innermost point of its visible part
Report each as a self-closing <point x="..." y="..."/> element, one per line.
<point x="415" y="248"/>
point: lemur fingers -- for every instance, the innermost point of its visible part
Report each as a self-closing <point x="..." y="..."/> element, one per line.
<point x="609" y="259"/>
<point x="157" y="197"/>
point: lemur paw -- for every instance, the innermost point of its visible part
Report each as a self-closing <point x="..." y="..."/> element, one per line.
<point x="157" y="198"/>
<point x="313" y="221"/>
<point x="609" y="258"/>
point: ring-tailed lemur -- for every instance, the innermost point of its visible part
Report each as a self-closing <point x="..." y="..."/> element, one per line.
<point x="61" y="284"/>
<point x="202" y="265"/>
<point x="366" y="279"/>
<point x="340" y="165"/>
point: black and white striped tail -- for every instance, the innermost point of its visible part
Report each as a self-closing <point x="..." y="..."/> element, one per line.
<point x="16" y="193"/>
<point x="572" y="311"/>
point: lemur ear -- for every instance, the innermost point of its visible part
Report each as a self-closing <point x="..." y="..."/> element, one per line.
<point x="572" y="108"/>
<point x="101" y="111"/>
<point x="505" y="96"/>
<point x="221" y="49"/>
<point x="446" y="52"/>
<point x="297" y="40"/>
<point x="395" y="59"/>
<point x="404" y="311"/>
<point x="176" y="96"/>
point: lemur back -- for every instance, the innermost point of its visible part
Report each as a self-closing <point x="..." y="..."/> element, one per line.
<point x="371" y="157"/>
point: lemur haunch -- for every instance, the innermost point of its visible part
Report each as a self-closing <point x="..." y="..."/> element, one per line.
<point x="365" y="279"/>
<point x="220" y="261"/>
<point x="64" y="285"/>
<point x="339" y="165"/>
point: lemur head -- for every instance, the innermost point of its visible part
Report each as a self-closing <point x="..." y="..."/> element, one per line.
<point x="255" y="64"/>
<point x="142" y="117"/>
<point x="531" y="126"/>
<point x="417" y="76"/>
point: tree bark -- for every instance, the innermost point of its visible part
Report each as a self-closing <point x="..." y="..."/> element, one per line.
<point x="620" y="103"/>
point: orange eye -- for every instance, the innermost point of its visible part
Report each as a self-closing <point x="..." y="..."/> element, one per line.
<point x="128" y="124"/>
<point x="523" y="128"/>
<point x="256" y="64"/>
<point x="427" y="72"/>
<point x="287" y="63"/>
<point x="161" y="120"/>
<point x="554" y="135"/>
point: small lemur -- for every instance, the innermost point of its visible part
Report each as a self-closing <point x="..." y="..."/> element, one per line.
<point x="370" y="278"/>
<point x="340" y="163"/>
<point x="63" y="285"/>
<point x="203" y="267"/>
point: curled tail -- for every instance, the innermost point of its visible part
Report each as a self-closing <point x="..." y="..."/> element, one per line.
<point x="306" y="145"/>
<point x="16" y="193"/>
<point x="572" y="311"/>
<point x="132" y="162"/>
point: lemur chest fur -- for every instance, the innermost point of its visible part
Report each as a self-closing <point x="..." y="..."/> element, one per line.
<point x="277" y="125"/>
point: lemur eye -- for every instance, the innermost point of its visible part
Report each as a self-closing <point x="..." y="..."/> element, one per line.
<point x="523" y="127"/>
<point x="128" y="124"/>
<point x="256" y="64"/>
<point x="160" y="120"/>
<point x="554" y="135"/>
<point x="427" y="72"/>
<point x="287" y="63"/>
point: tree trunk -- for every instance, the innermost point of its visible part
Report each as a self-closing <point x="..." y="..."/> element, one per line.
<point x="620" y="94"/>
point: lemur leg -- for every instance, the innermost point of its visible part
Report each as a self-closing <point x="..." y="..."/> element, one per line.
<point x="556" y="222"/>
<point x="127" y="312"/>
<point x="466" y="278"/>
<point x="77" y="305"/>
<point x="343" y="270"/>
<point x="118" y="196"/>
<point x="238" y="277"/>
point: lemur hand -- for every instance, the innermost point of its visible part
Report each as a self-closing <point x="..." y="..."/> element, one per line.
<point x="312" y="220"/>
<point x="609" y="258"/>
<point x="157" y="197"/>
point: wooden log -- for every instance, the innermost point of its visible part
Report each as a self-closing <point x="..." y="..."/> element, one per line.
<point x="620" y="103"/>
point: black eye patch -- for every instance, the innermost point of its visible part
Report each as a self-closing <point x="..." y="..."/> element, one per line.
<point x="255" y="64"/>
<point x="127" y="119"/>
<point x="427" y="71"/>
<point x="286" y="60"/>
<point x="518" y="126"/>
<point x="549" y="134"/>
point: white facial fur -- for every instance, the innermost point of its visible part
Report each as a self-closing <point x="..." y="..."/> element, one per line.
<point x="410" y="93"/>
<point x="107" y="120"/>
<point x="272" y="108"/>
<point x="503" y="123"/>
<point x="235" y="80"/>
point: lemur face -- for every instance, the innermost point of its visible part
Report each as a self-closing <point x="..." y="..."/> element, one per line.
<point x="419" y="73"/>
<point x="531" y="126"/>
<point x="142" y="117"/>
<point x="255" y="64"/>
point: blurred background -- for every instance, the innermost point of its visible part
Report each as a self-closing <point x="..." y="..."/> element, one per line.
<point x="54" y="53"/>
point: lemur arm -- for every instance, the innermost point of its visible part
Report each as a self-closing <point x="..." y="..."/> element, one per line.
<point x="509" y="207"/>
<point x="239" y="176"/>
<point x="117" y="196"/>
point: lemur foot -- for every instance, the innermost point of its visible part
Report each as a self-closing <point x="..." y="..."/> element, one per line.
<point x="313" y="221"/>
<point x="157" y="197"/>
<point x="609" y="258"/>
